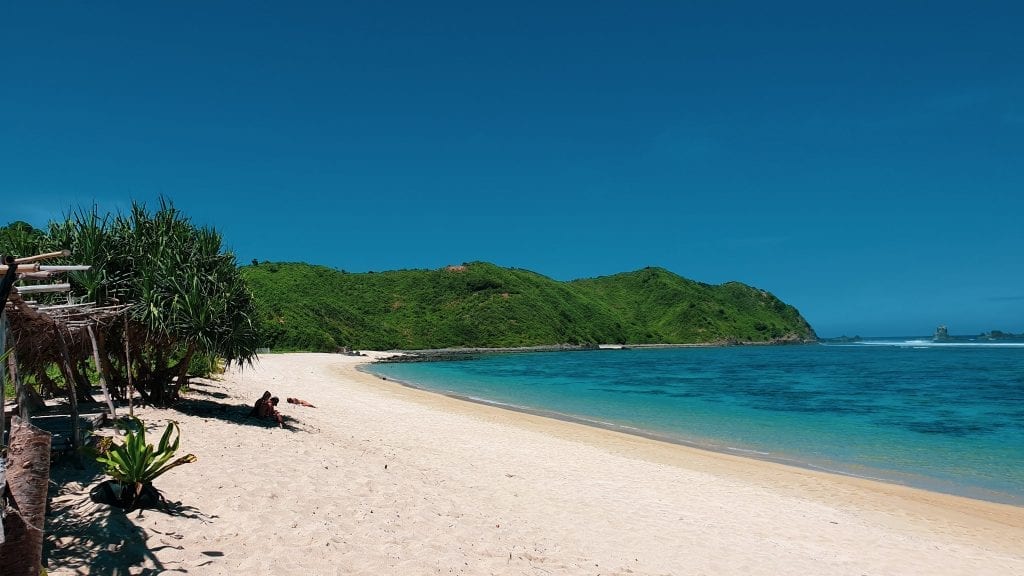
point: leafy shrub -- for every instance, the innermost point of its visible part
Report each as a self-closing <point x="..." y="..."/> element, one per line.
<point x="135" y="464"/>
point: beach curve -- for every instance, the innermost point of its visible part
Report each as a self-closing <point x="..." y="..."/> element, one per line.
<point x="385" y="479"/>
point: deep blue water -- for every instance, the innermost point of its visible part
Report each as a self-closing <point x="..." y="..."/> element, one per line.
<point x="941" y="417"/>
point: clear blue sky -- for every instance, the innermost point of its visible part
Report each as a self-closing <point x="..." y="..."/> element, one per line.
<point x="863" y="161"/>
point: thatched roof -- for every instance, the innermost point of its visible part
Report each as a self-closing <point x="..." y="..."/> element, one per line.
<point x="35" y="329"/>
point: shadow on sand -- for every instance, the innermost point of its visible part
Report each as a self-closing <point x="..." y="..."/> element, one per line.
<point x="84" y="537"/>
<point x="204" y="401"/>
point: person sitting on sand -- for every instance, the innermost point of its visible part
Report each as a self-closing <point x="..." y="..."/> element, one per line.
<point x="300" y="402"/>
<point x="257" y="409"/>
<point x="269" y="410"/>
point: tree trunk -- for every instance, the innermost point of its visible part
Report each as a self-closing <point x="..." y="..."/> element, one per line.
<point x="114" y="378"/>
<point x="183" y="367"/>
<point x="156" y="390"/>
<point x="28" y="476"/>
<point x="101" y="369"/>
<point x="160" y="390"/>
<point x="83" y="388"/>
<point x="152" y="377"/>
<point x="136" y="373"/>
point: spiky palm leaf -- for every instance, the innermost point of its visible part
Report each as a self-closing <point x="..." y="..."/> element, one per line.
<point x="137" y="463"/>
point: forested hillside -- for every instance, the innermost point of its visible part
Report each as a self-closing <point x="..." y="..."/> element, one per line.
<point x="306" y="307"/>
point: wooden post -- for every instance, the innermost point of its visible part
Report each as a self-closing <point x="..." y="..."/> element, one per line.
<point x="19" y="390"/>
<point x="6" y="284"/>
<point x="128" y="369"/>
<point x="28" y="476"/>
<point x="3" y="379"/>
<point x="28" y="399"/>
<point x="100" y="370"/>
<point x="10" y="275"/>
<point x="68" y="370"/>
<point x="3" y="502"/>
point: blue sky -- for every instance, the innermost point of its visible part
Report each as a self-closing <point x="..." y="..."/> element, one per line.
<point x="862" y="161"/>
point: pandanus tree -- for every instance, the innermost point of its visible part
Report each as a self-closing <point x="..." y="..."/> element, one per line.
<point x="186" y="294"/>
<point x="20" y="238"/>
<point x="188" y="297"/>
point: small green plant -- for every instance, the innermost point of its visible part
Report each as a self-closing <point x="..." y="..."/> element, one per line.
<point x="134" y="464"/>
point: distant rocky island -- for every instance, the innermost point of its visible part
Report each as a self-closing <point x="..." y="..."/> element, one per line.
<point x="844" y="339"/>
<point x="1000" y="335"/>
<point x="942" y="335"/>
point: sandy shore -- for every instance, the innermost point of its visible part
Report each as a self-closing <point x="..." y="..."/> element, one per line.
<point x="383" y="479"/>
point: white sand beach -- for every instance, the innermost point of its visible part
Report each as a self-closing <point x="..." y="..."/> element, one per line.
<point x="384" y="479"/>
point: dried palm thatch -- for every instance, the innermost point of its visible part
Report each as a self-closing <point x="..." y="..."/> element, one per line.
<point x="39" y="333"/>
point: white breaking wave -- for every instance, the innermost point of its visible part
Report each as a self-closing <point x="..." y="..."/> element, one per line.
<point x="934" y="344"/>
<point x="746" y="451"/>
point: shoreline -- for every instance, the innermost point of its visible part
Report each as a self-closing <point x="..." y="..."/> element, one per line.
<point x="970" y="493"/>
<point x="451" y="401"/>
<point x="826" y="487"/>
<point x="447" y="354"/>
<point x="383" y="478"/>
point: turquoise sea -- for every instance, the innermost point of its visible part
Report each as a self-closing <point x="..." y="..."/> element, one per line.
<point x="941" y="416"/>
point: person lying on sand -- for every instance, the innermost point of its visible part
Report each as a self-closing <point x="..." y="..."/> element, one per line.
<point x="300" y="402"/>
<point x="269" y="410"/>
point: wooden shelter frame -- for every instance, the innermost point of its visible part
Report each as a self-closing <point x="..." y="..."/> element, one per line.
<point x="38" y="334"/>
<point x="51" y="333"/>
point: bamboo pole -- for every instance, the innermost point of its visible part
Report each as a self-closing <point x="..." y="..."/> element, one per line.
<point x="66" y="306"/>
<point x="44" y="288"/>
<point x="128" y="369"/>
<point x="99" y="370"/>
<point x="36" y="275"/>
<point x="25" y="268"/>
<point x="45" y="256"/>
<point x="66" y="268"/>
<point x="36" y="267"/>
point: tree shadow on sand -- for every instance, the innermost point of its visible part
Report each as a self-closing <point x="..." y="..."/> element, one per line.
<point x="204" y="401"/>
<point x="89" y="538"/>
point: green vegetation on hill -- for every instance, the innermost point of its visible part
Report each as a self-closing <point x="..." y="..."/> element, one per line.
<point x="306" y="307"/>
<point x="657" y="306"/>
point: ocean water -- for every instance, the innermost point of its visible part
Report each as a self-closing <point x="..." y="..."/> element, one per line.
<point x="941" y="416"/>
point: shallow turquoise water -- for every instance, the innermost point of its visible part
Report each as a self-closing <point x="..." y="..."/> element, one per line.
<point x="948" y="418"/>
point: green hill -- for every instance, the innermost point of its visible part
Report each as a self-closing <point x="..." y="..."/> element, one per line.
<point x="657" y="306"/>
<point x="305" y="307"/>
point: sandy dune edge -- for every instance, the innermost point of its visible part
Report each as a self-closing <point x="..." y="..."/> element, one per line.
<point x="383" y="479"/>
